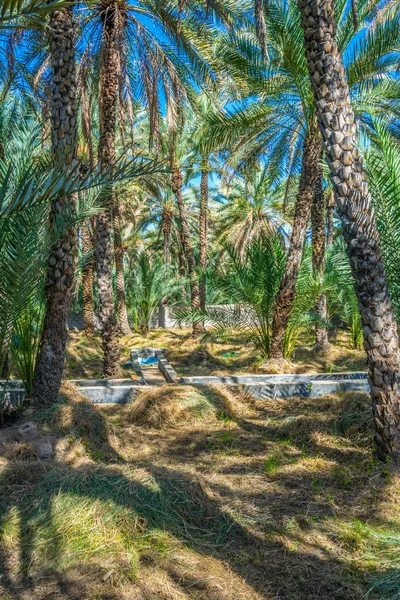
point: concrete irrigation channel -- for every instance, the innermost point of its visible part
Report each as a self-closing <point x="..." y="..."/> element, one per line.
<point x="152" y="368"/>
<point x="289" y="386"/>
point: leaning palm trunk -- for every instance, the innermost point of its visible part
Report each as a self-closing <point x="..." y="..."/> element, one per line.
<point x="60" y="270"/>
<point x="336" y="122"/>
<point x="106" y="152"/>
<point x="203" y="227"/>
<point x="287" y="289"/>
<point x="87" y="281"/>
<point x="318" y="258"/>
<point x="119" y="271"/>
<point x="176" y="185"/>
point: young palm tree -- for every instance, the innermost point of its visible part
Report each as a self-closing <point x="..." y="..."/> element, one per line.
<point x="248" y="282"/>
<point x="337" y="125"/>
<point x="60" y="272"/>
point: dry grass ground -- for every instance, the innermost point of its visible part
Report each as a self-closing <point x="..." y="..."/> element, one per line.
<point x="84" y="356"/>
<point x="218" y="499"/>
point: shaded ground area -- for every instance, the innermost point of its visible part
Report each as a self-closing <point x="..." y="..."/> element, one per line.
<point x="265" y="500"/>
<point x="234" y="356"/>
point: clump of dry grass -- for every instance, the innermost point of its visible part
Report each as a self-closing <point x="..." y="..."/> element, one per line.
<point x="354" y="417"/>
<point x="201" y="355"/>
<point x="19" y="451"/>
<point x="80" y="420"/>
<point x="170" y="405"/>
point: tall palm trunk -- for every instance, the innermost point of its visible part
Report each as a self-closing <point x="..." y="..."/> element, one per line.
<point x="176" y="185"/>
<point x="318" y="257"/>
<point x="87" y="281"/>
<point x="166" y="228"/>
<point x="87" y="237"/>
<point x="203" y="228"/>
<point x="60" y="269"/>
<point x="106" y="152"/>
<point x="336" y="122"/>
<point x="287" y="289"/>
<point x="122" y="314"/>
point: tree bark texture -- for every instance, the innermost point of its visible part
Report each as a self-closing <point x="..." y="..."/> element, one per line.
<point x="60" y="269"/>
<point x="287" y="289"/>
<point x="176" y="185"/>
<point x="318" y="257"/>
<point x="336" y="122"/>
<point x="166" y="228"/>
<point x="330" y="206"/>
<point x="87" y="280"/>
<point x="106" y="153"/>
<point x="203" y="230"/>
<point x="122" y="314"/>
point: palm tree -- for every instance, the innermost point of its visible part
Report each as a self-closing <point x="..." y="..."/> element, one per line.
<point x="186" y="241"/>
<point x="337" y="125"/>
<point x="11" y="13"/>
<point x="318" y="257"/>
<point x="330" y="207"/>
<point x="87" y="230"/>
<point x="277" y="115"/>
<point x="87" y="279"/>
<point x="148" y="38"/>
<point x="111" y="18"/>
<point x="383" y="169"/>
<point x="178" y="133"/>
<point x="287" y="289"/>
<point x="203" y="231"/>
<point x="248" y="282"/>
<point x="60" y="271"/>
<point x="250" y="207"/>
<point x="158" y="210"/>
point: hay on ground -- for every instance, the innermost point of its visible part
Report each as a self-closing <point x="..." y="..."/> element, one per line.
<point x="170" y="405"/>
<point x="354" y="418"/>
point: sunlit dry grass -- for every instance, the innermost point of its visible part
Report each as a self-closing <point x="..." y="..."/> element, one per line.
<point x="233" y="356"/>
<point x="277" y="499"/>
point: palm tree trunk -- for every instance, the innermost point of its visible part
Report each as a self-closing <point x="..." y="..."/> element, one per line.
<point x="87" y="281"/>
<point x="330" y="205"/>
<point x="203" y="227"/>
<point x="60" y="269"/>
<point x="106" y="152"/>
<point x="318" y="257"/>
<point x="87" y="238"/>
<point x="336" y="122"/>
<point x="287" y="289"/>
<point x="176" y="185"/>
<point x="122" y="314"/>
<point x="166" y="228"/>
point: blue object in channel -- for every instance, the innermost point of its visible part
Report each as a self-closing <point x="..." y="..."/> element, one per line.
<point x="149" y="360"/>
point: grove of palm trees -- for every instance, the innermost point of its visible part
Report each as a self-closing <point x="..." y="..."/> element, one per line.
<point x="199" y="300"/>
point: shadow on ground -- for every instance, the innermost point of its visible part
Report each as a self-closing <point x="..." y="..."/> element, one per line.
<point x="248" y="527"/>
